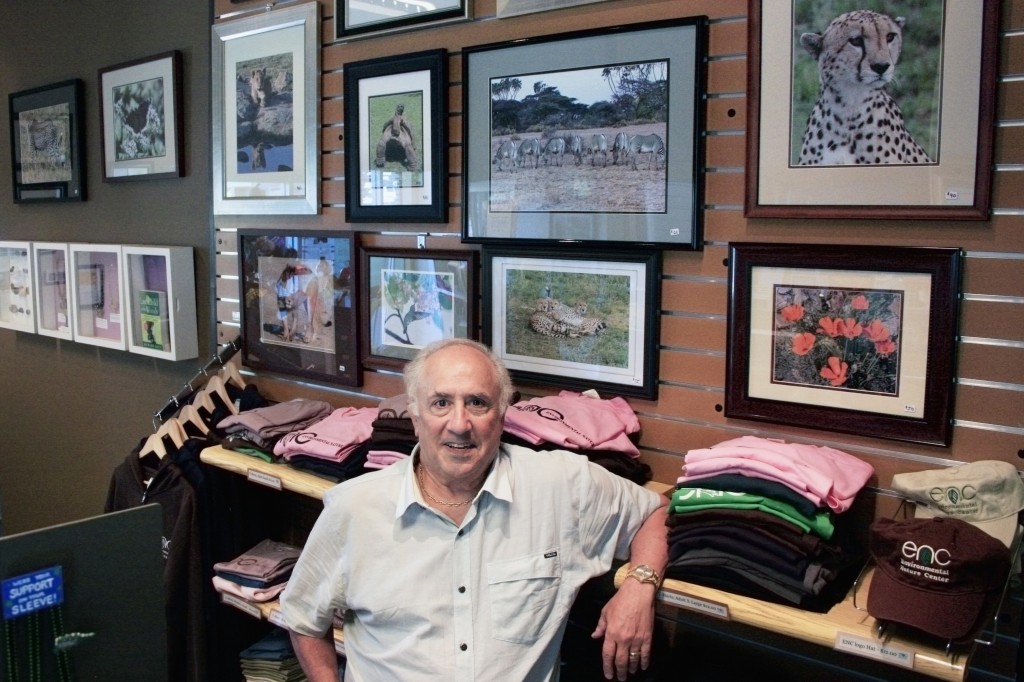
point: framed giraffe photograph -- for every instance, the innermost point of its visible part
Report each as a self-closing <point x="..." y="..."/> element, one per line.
<point x="47" y="143"/>
<point x="878" y="109"/>
<point x="396" y="139"/>
<point x="575" y="318"/>
<point x="141" y="124"/>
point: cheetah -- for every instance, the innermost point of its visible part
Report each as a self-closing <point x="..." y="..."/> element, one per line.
<point x="554" y="318"/>
<point x="855" y="121"/>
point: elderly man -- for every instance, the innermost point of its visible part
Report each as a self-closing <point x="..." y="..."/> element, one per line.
<point x="462" y="561"/>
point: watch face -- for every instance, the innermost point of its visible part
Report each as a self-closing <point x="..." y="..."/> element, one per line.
<point x="644" y="572"/>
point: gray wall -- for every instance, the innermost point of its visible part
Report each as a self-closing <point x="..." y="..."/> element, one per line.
<point x="70" y="412"/>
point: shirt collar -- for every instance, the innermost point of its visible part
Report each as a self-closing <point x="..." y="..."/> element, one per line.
<point x="498" y="482"/>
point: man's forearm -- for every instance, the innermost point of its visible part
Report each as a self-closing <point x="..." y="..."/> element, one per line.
<point x="317" y="656"/>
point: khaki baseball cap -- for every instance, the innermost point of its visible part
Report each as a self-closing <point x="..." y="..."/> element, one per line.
<point x="987" y="494"/>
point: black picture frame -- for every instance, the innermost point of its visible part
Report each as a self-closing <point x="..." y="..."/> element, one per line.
<point x="47" y="143"/>
<point x="396" y="146"/>
<point x="359" y="19"/>
<point x="576" y="319"/>
<point x="859" y="338"/>
<point x="432" y="296"/>
<point x="546" y="167"/>
<point x="298" y="328"/>
<point x="142" y="132"/>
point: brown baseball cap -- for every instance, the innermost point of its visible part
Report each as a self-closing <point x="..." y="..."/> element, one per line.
<point x="935" y="574"/>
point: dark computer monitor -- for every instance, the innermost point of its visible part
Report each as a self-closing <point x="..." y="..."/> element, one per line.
<point x="109" y="569"/>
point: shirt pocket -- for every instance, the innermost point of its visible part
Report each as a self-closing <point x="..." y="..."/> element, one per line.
<point x="523" y="593"/>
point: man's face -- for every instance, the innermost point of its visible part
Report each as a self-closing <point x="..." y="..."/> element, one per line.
<point x="459" y="422"/>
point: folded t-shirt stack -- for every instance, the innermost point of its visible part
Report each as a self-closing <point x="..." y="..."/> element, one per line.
<point x="393" y="436"/>
<point x="761" y="517"/>
<point x="257" y="574"/>
<point x="333" y="447"/>
<point x="583" y="422"/>
<point x="271" y="659"/>
<point x="256" y="431"/>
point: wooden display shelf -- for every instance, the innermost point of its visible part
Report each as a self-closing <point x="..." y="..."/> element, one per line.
<point x="270" y="474"/>
<point x="270" y="611"/>
<point x="844" y="627"/>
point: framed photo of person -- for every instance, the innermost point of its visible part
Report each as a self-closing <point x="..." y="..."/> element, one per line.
<point x="299" y="304"/>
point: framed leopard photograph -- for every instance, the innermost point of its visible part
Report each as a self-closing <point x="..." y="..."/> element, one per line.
<point x="888" y="111"/>
<point x="575" y="318"/>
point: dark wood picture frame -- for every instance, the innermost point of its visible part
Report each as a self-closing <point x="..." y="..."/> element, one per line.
<point x="575" y="319"/>
<point x="396" y="146"/>
<point x="861" y="339"/>
<point x="430" y="295"/>
<point x="955" y="184"/>
<point x="571" y="183"/>
<point x="305" y="324"/>
<point x="47" y="142"/>
<point x="142" y="131"/>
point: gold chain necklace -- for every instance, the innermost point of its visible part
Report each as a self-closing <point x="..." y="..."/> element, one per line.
<point x="423" y="489"/>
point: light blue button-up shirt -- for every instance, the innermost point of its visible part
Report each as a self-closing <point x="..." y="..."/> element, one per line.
<point x="425" y="599"/>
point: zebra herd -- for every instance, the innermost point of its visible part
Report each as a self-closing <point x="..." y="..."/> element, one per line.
<point x="624" y="149"/>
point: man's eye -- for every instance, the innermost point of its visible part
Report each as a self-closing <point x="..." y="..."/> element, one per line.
<point x="477" y="405"/>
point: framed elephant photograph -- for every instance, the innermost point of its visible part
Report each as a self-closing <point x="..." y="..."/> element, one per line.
<point x="893" y="123"/>
<point x="397" y="139"/>
<point x="266" y="113"/>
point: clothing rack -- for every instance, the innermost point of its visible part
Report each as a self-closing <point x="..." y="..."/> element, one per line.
<point x="179" y="399"/>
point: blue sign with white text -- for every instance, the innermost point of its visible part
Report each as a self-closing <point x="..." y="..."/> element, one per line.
<point x="25" y="594"/>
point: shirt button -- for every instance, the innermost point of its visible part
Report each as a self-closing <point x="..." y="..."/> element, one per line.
<point x="459" y="533"/>
<point x="463" y="646"/>
<point x="462" y="589"/>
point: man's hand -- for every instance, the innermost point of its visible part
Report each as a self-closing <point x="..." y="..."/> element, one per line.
<point x="627" y="625"/>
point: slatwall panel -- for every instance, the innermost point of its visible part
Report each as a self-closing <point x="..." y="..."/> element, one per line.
<point x="989" y="417"/>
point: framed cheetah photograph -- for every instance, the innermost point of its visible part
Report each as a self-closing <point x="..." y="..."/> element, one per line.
<point x="577" y="319"/>
<point x="888" y="110"/>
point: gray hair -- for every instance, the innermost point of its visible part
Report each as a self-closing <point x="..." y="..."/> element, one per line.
<point x="414" y="371"/>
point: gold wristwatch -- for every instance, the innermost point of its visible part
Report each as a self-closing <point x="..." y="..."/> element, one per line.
<point x="645" y="574"/>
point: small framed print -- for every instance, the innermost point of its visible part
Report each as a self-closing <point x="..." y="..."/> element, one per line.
<point x="17" y="307"/>
<point x="860" y="338"/>
<point x="580" y="320"/>
<point x="414" y="297"/>
<point x="299" y="304"/>
<point x="50" y="263"/>
<point x="141" y="119"/>
<point x="397" y="145"/>
<point x="361" y="19"/>
<point x="47" y="145"/>
<point x="97" y="283"/>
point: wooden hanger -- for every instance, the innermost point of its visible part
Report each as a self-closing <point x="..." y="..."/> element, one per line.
<point x="229" y="372"/>
<point x="190" y="415"/>
<point x="170" y="429"/>
<point x="202" y="399"/>
<point x="215" y="387"/>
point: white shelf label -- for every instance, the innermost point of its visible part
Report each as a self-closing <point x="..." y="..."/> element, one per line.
<point x="685" y="601"/>
<point x="240" y="604"/>
<point x="264" y="479"/>
<point x="873" y="648"/>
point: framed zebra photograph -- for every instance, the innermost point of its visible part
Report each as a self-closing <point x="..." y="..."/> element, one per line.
<point x="592" y="136"/>
<point x="573" y="318"/>
<point x="141" y="124"/>
<point x="47" y="146"/>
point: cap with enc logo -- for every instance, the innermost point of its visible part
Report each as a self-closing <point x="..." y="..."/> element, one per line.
<point x="935" y="574"/>
<point x="987" y="494"/>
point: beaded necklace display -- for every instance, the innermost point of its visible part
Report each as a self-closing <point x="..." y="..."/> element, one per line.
<point x="423" y="489"/>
